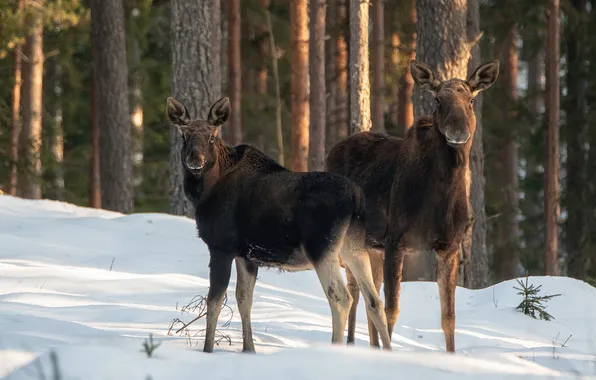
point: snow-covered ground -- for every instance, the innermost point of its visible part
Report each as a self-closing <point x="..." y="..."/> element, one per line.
<point x="91" y="286"/>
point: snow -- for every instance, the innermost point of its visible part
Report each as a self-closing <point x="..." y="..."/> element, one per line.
<point x="91" y="285"/>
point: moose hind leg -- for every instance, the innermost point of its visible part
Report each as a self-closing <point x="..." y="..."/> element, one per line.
<point x="447" y="266"/>
<point x="332" y="281"/>
<point x="376" y="263"/>
<point x="220" y="267"/>
<point x="355" y="294"/>
<point x="245" y="285"/>
<point x="356" y="258"/>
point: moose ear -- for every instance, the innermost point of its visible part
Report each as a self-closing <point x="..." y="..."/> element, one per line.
<point x="220" y="112"/>
<point x="177" y="112"/>
<point x="484" y="76"/>
<point x="424" y="76"/>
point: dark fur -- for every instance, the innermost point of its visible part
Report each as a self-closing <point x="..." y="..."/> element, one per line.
<point x="250" y="209"/>
<point x="416" y="188"/>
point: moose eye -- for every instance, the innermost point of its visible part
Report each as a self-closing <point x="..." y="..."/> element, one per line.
<point x="211" y="139"/>
<point x="473" y="100"/>
<point x="438" y="101"/>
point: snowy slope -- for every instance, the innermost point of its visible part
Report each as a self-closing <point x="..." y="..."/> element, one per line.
<point x="92" y="285"/>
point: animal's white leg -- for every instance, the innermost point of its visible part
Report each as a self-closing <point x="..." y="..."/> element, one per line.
<point x="356" y="258"/>
<point x="245" y="285"/>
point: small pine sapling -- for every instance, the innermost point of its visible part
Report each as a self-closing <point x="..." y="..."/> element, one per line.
<point x="532" y="303"/>
<point x="149" y="346"/>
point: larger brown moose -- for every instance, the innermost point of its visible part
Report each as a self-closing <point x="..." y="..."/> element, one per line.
<point x="251" y="210"/>
<point x="416" y="190"/>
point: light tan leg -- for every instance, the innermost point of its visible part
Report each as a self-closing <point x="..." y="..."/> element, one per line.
<point x="392" y="276"/>
<point x="376" y="264"/>
<point x="356" y="258"/>
<point x="328" y="271"/>
<point x="245" y="285"/>
<point x="355" y="293"/>
<point x="447" y="265"/>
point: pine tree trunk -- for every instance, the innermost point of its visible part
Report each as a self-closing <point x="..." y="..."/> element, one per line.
<point x="16" y="114"/>
<point x="576" y="135"/>
<point x="395" y="67"/>
<point x="406" y="83"/>
<point x="299" y="84"/>
<point x="475" y="253"/>
<point x="378" y="67"/>
<point x="278" y="126"/>
<point x="551" y="206"/>
<point x="32" y="102"/>
<point x="234" y="73"/>
<point x="111" y="77"/>
<point x="193" y="80"/>
<point x="317" y="85"/>
<point x="438" y="21"/>
<point x="342" y="108"/>
<point x="507" y="248"/>
<point x="94" y="175"/>
<point x="330" y="74"/>
<point x="359" y="67"/>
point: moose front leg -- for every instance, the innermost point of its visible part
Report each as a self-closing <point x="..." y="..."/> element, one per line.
<point x="447" y="265"/>
<point x="220" y="267"/>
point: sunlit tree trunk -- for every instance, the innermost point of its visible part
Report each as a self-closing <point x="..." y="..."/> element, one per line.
<point x="32" y="101"/>
<point x="234" y="72"/>
<point x="16" y="114"/>
<point x="359" y="67"/>
<point x="299" y="84"/>
<point x="317" y="86"/>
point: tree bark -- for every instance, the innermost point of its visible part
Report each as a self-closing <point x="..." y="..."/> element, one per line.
<point x="438" y="21"/>
<point x="32" y="102"/>
<point x="341" y="66"/>
<point x="16" y="115"/>
<point x="330" y="73"/>
<point x="359" y="67"/>
<point x="476" y="258"/>
<point x="406" y="83"/>
<point x="317" y="81"/>
<point x="278" y="129"/>
<point x="193" y="80"/>
<point x="507" y="247"/>
<point x="234" y="72"/>
<point x="110" y="71"/>
<point x="94" y="175"/>
<point x="576" y="135"/>
<point x="378" y="68"/>
<point x="299" y="84"/>
<point x="551" y="206"/>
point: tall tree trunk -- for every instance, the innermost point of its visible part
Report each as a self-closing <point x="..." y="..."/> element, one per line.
<point x="342" y="107"/>
<point x="32" y="101"/>
<point x="551" y="206"/>
<point x="406" y="83"/>
<point x="299" y="84"/>
<point x="234" y="72"/>
<point x="576" y="135"/>
<point x="438" y="21"/>
<point x="378" y="67"/>
<point x="475" y="253"/>
<point x="94" y="175"/>
<point x="57" y="132"/>
<point x="110" y="71"/>
<point x="262" y="43"/>
<point x="16" y="114"/>
<point x="318" y="91"/>
<point x="193" y="80"/>
<point x="359" y="67"/>
<point x="507" y="247"/>
<point x="395" y="66"/>
<point x="330" y="73"/>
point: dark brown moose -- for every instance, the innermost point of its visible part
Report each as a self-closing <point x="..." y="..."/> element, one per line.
<point x="416" y="190"/>
<point x="251" y="210"/>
